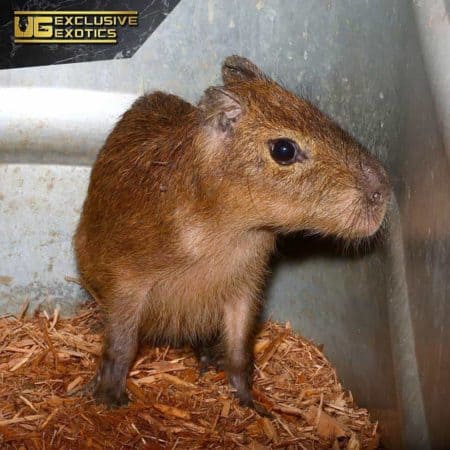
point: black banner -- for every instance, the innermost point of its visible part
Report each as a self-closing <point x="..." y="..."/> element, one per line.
<point x="43" y="32"/>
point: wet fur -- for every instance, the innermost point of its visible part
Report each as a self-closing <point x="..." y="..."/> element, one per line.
<point x="183" y="207"/>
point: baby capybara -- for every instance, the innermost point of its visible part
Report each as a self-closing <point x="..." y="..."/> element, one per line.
<point x="184" y="205"/>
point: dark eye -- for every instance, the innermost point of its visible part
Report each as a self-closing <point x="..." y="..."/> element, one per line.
<point x="285" y="151"/>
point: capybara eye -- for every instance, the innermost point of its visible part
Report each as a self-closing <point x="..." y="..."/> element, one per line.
<point x="284" y="151"/>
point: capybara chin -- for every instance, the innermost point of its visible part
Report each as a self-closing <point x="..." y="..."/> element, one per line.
<point x="185" y="202"/>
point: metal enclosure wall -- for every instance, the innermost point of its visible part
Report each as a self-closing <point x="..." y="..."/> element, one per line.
<point x="375" y="67"/>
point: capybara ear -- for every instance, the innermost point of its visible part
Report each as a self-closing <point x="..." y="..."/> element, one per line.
<point x="236" y="69"/>
<point x="222" y="109"/>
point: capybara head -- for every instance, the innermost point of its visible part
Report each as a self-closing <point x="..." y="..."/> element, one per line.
<point x="292" y="167"/>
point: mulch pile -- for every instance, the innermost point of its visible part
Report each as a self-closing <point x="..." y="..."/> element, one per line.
<point x="45" y="360"/>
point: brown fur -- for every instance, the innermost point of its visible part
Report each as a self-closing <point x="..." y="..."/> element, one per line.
<point x="183" y="207"/>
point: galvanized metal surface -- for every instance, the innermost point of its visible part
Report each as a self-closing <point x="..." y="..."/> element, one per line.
<point x="422" y="181"/>
<point x="40" y="206"/>
<point x="57" y="125"/>
<point x="433" y="25"/>
<point x="381" y="316"/>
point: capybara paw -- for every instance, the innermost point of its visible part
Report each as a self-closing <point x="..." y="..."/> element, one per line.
<point x="110" y="397"/>
<point x="207" y="361"/>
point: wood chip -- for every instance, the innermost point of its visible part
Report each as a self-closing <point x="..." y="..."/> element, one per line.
<point x="73" y="384"/>
<point x="172" y="411"/>
<point x="15" y="420"/>
<point x="271" y="349"/>
<point x="256" y="446"/>
<point x="137" y="391"/>
<point x="374" y="442"/>
<point x="167" y="377"/>
<point x="353" y="443"/>
<point x="145" y="380"/>
<point x="172" y="405"/>
<point x="226" y="406"/>
<point x="327" y="427"/>
<point x="291" y="410"/>
<point x="269" y="429"/>
<point x="5" y="280"/>
<point x="49" y="342"/>
<point x="27" y="402"/>
<point x="23" y="309"/>
<point x="48" y="419"/>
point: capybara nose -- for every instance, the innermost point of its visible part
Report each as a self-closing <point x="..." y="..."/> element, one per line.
<point x="375" y="183"/>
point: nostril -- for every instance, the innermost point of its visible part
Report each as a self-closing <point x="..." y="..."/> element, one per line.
<point x="377" y="197"/>
<point x="375" y="184"/>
